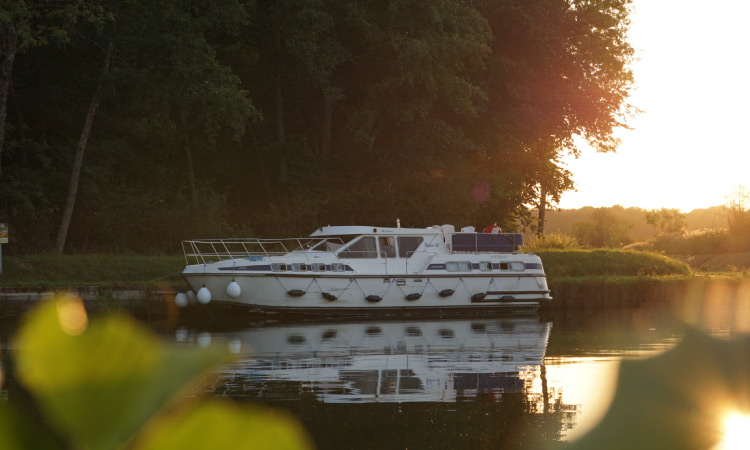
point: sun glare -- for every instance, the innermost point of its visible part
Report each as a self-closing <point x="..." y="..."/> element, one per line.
<point x="736" y="432"/>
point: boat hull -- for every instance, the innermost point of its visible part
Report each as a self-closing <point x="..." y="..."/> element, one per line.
<point x="368" y="295"/>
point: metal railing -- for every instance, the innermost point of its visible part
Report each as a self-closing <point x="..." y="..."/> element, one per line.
<point x="204" y="251"/>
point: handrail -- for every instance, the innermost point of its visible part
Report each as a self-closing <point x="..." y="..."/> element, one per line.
<point x="203" y="251"/>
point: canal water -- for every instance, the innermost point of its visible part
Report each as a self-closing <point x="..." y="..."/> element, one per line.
<point x="500" y="382"/>
<point x="513" y="381"/>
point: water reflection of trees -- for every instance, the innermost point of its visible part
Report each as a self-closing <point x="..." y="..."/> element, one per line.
<point x="488" y="420"/>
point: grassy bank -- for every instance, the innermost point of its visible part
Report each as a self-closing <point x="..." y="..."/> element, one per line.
<point x="612" y="263"/>
<point x="47" y="270"/>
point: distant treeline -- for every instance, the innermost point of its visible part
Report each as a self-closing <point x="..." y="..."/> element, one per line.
<point x="127" y="125"/>
<point x="634" y="220"/>
<point x="711" y="231"/>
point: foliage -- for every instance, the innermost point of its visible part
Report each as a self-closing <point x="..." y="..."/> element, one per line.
<point x="552" y="241"/>
<point x="603" y="230"/>
<point x="110" y="384"/>
<point x="696" y="242"/>
<point x="738" y="212"/>
<point x="431" y="112"/>
<point x="666" y="220"/>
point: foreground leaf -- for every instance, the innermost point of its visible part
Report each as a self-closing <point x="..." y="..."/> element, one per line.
<point x="676" y="400"/>
<point x="99" y="383"/>
<point x="17" y="432"/>
<point x="221" y="424"/>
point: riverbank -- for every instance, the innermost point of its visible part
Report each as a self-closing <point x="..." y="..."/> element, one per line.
<point x="578" y="279"/>
<point x="40" y="271"/>
<point x="61" y="271"/>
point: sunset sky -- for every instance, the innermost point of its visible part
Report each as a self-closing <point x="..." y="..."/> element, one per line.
<point x="689" y="148"/>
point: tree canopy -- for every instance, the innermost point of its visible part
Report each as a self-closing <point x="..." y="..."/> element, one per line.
<point x="277" y="116"/>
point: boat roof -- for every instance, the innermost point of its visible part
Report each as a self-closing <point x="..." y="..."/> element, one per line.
<point x="363" y="229"/>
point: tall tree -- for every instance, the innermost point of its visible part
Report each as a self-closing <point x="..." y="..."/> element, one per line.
<point x="29" y="23"/>
<point x="88" y="123"/>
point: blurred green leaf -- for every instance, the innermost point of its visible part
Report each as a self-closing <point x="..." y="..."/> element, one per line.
<point x="17" y="432"/>
<point x="220" y="424"/>
<point x="678" y="399"/>
<point x="99" y="383"/>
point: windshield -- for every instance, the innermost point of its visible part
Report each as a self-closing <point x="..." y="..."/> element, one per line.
<point x="328" y="243"/>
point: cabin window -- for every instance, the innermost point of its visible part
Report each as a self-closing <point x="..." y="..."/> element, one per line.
<point x="276" y="267"/>
<point x="503" y="266"/>
<point x="299" y="267"/>
<point x="387" y="246"/>
<point x="485" y="266"/>
<point x="318" y="267"/>
<point x="337" y="267"/>
<point x="363" y="248"/>
<point x="407" y="245"/>
<point x="458" y="266"/>
<point x="517" y="266"/>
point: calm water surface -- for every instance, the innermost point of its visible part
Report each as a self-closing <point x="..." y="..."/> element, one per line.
<point x="496" y="382"/>
<point x="501" y="382"/>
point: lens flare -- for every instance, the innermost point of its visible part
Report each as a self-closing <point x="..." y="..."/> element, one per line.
<point x="72" y="315"/>
<point x="481" y="192"/>
<point x="736" y="432"/>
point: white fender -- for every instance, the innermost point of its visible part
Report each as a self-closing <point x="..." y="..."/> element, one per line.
<point x="204" y="295"/>
<point x="233" y="289"/>
<point x="181" y="299"/>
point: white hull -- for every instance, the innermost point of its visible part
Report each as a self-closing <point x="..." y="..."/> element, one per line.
<point x="352" y="292"/>
<point x="431" y="278"/>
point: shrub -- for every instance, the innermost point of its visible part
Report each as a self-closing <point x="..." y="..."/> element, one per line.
<point x="552" y="241"/>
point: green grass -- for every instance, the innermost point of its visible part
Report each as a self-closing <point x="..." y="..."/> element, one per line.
<point x="52" y="270"/>
<point x="596" y="263"/>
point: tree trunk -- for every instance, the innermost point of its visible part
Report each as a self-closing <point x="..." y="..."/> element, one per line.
<point x="542" y="212"/>
<point x="8" y="48"/>
<point x="261" y="164"/>
<point x="21" y="127"/>
<point x="325" y="144"/>
<point x="88" y="123"/>
<point x="280" y="132"/>
<point x="189" y="154"/>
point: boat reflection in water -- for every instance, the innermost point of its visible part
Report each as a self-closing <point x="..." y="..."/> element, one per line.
<point x="418" y="361"/>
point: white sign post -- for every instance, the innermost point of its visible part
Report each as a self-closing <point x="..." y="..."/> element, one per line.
<point x="3" y="240"/>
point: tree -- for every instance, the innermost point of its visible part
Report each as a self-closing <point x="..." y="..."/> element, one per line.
<point x="88" y="123"/>
<point x="26" y="24"/>
<point x="738" y="212"/>
<point x="604" y="230"/>
<point x="176" y="70"/>
<point x="666" y="220"/>
<point x="558" y="69"/>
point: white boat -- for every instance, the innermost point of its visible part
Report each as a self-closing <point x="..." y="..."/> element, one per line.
<point x="368" y="270"/>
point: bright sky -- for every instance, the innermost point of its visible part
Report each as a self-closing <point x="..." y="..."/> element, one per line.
<point x="690" y="147"/>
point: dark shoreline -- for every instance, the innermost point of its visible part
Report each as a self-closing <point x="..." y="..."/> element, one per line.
<point x="569" y="295"/>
